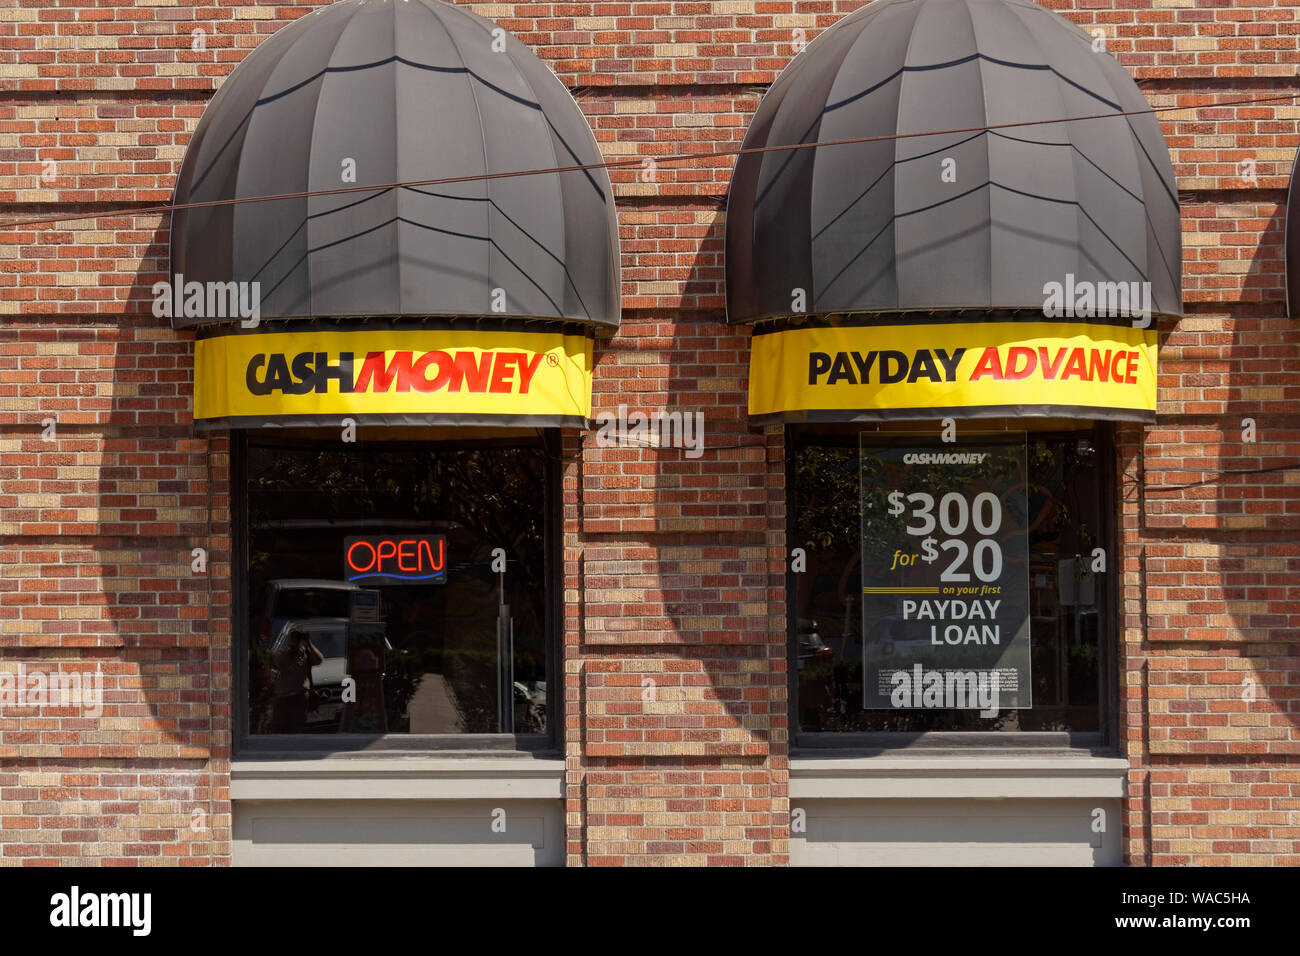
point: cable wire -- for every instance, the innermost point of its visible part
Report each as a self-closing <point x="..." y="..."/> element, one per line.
<point x="614" y="164"/>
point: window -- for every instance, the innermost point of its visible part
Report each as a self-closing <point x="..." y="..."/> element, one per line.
<point x="1069" y="510"/>
<point x="396" y="587"/>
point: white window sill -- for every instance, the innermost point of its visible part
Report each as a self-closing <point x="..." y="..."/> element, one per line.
<point x="399" y="778"/>
<point x="1049" y="776"/>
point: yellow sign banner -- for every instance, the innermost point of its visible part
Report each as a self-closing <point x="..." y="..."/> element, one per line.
<point x="982" y="369"/>
<point x="393" y="376"/>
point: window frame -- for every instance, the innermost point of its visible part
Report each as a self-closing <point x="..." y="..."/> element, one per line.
<point x="317" y="746"/>
<point x="1102" y="742"/>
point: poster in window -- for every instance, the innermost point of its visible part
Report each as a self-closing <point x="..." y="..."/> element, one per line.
<point x="945" y="578"/>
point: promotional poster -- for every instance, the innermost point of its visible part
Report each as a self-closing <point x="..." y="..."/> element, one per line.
<point x="945" y="578"/>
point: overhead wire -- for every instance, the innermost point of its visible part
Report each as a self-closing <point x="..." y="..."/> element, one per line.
<point x="715" y="153"/>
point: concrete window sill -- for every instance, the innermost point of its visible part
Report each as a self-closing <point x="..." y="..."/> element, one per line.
<point x="965" y="776"/>
<point x="467" y="777"/>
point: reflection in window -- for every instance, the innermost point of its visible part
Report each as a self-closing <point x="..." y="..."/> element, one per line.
<point x="461" y="651"/>
<point x="1067" y="499"/>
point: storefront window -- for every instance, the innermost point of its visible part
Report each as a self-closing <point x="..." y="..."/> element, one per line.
<point x="396" y="587"/>
<point x="1031" y="604"/>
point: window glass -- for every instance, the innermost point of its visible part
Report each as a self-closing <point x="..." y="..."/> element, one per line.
<point x="376" y="607"/>
<point x="1067" y="499"/>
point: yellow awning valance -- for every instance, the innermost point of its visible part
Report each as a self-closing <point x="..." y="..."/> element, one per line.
<point x="393" y="377"/>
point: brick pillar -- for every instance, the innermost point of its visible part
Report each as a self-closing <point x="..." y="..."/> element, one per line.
<point x="675" y="668"/>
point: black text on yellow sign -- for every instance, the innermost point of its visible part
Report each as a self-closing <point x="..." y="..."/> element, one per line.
<point x="409" y="373"/>
<point x="987" y="366"/>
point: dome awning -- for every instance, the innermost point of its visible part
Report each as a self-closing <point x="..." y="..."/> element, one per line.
<point x="973" y="227"/>
<point x="871" y="227"/>
<point x="386" y="91"/>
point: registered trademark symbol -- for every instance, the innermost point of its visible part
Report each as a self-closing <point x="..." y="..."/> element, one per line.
<point x="551" y="359"/>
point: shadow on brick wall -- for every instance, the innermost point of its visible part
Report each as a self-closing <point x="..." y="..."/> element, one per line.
<point x="163" y="537"/>
<point x="683" y="639"/>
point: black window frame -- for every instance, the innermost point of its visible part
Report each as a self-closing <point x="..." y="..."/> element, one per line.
<point x="317" y="746"/>
<point x="1103" y="742"/>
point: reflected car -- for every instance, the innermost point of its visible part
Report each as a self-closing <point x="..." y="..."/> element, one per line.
<point x="892" y="644"/>
<point x="303" y="600"/>
<point x="331" y="639"/>
<point x="323" y="609"/>
<point x="810" y="646"/>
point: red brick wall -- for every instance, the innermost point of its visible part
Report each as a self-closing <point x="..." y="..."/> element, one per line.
<point x="673" y="567"/>
<point x="1211" y="606"/>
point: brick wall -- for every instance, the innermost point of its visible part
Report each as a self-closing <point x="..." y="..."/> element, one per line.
<point x="673" y="568"/>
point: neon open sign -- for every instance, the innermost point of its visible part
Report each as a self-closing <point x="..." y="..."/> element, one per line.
<point x="395" y="559"/>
